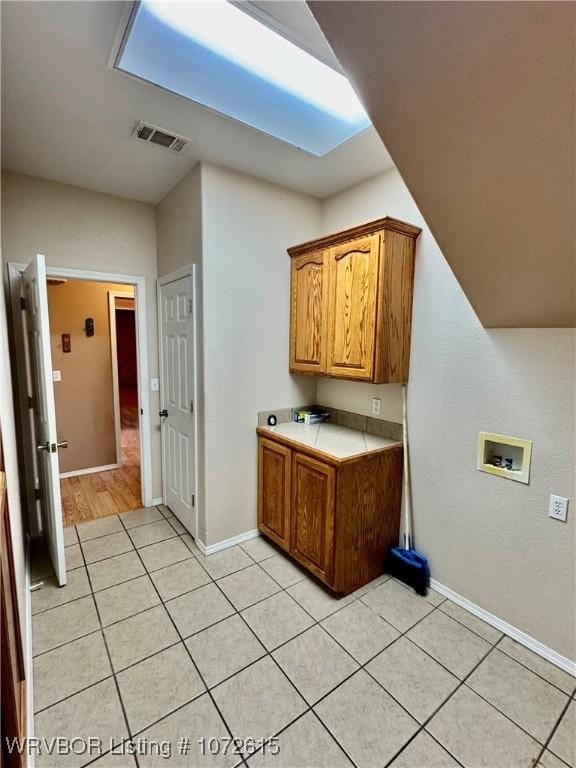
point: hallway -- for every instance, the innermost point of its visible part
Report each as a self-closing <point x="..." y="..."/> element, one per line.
<point x="88" y="497"/>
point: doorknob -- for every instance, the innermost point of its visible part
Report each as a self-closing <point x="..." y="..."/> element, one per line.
<point x="164" y="413"/>
<point x="62" y="444"/>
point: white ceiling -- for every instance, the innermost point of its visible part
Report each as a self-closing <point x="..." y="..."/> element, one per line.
<point x="67" y="116"/>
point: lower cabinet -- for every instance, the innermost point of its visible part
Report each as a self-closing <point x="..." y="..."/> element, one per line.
<point x="312" y="515"/>
<point x="336" y="518"/>
<point x="274" y="466"/>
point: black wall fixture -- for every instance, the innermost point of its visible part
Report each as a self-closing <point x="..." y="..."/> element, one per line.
<point x="89" y="326"/>
<point x="66" y="342"/>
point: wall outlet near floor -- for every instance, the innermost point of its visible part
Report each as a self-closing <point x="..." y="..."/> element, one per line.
<point x="558" y="508"/>
<point x="375" y="406"/>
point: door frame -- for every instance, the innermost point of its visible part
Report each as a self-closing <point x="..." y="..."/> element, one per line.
<point x="191" y="272"/>
<point x="15" y="271"/>
<point x="112" y="296"/>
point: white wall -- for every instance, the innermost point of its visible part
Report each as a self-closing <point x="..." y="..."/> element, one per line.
<point x="179" y="225"/>
<point x="81" y="229"/>
<point x="489" y="539"/>
<point x="247" y="226"/>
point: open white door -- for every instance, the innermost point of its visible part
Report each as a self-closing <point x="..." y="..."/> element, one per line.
<point x="38" y="333"/>
<point x="177" y="393"/>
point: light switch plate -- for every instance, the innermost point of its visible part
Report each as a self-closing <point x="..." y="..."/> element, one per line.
<point x="558" y="508"/>
<point x="154" y="385"/>
<point x="56" y="375"/>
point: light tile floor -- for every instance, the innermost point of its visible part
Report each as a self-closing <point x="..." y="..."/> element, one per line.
<point x="153" y="647"/>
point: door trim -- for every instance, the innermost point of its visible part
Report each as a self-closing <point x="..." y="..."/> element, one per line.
<point x="112" y="296"/>
<point x="190" y="271"/>
<point x="15" y="271"/>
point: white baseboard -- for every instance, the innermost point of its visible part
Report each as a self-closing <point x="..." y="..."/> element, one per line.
<point x="516" y="634"/>
<point x="156" y="502"/>
<point x="225" y="543"/>
<point x="89" y="471"/>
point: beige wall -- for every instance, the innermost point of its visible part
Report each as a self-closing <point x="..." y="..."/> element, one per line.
<point x="247" y="225"/>
<point x="85" y="396"/>
<point x="179" y="225"/>
<point x="488" y="539"/>
<point x="81" y="229"/>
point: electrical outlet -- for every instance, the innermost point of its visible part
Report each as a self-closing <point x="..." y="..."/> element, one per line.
<point x="558" y="508"/>
<point x="56" y="375"/>
<point x="375" y="406"/>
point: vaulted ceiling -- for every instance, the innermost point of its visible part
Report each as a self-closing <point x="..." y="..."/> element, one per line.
<point x="475" y="101"/>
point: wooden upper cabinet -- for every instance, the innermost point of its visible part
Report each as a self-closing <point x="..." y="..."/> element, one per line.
<point x="351" y="303"/>
<point x="352" y="269"/>
<point x="308" y="315"/>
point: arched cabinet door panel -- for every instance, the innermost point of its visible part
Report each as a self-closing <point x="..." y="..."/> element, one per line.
<point x="353" y="279"/>
<point x="308" y="313"/>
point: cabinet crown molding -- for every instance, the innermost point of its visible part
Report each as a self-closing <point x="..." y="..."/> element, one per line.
<point x="368" y="228"/>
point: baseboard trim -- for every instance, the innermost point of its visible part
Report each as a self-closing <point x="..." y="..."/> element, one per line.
<point x="156" y="502"/>
<point x="89" y="471"/>
<point x="516" y="634"/>
<point x="210" y="549"/>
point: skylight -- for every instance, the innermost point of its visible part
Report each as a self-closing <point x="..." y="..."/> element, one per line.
<point x="217" y="55"/>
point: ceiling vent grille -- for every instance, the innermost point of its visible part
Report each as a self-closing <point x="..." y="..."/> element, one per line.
<point x="151" y="134"/>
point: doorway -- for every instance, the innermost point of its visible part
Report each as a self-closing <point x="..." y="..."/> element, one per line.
<point x="178" y="395"/>
<point x="99" y="473"/>
<point x="40" y="442"/>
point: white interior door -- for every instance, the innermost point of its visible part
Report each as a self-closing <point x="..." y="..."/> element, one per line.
<point x="177" y="394"/>
<point x="38" y="334"/>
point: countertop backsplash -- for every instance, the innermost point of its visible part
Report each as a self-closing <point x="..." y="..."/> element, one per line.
<point x="377" y="427"/>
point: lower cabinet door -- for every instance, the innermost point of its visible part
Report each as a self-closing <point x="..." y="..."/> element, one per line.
<point x="312" y="515"/>
<point x="274" y="464"/>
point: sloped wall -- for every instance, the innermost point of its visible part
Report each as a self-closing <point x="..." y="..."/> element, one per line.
<point x="488" y="539"/>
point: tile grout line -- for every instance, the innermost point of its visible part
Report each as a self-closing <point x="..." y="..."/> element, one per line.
<point x="290" y="682"/>
<point x="206" y="689"/>
<point x="525" y="666"/>
<point x="317" y="622"/>
<point x="117" y="686"/>
<point x="552" y="732"/>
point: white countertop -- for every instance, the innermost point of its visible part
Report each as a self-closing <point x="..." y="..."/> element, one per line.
<point x="332" y="439"/>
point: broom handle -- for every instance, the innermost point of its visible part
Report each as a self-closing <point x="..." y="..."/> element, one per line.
<point x="407" y="499"/>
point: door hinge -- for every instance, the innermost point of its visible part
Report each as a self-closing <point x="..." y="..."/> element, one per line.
<point x="190" y="306"/>
<point x="193" y="500"/>
<point x="191" y="406"/>
<point x="37" y="494"/>
<point x="30" y="402"/>
<point x="22" y="302"/>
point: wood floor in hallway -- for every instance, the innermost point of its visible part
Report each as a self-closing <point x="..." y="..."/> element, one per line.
<point x="88" y="497"/>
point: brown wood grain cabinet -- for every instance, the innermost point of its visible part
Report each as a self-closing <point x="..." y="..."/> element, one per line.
<point x="274" y="471"/>
<point x="308" y="279"/>
<point x="351" y="303"/>
<point x="336" y="517"/>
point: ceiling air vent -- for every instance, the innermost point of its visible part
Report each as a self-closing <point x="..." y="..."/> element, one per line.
<point x="161" y="138"/>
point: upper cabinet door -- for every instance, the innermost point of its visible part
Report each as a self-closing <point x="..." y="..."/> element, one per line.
<point x="353" y="278"/>
<point x="307" y="321"/>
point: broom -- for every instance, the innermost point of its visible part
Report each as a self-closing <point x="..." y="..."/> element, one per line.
<point x="405" y="563"/>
